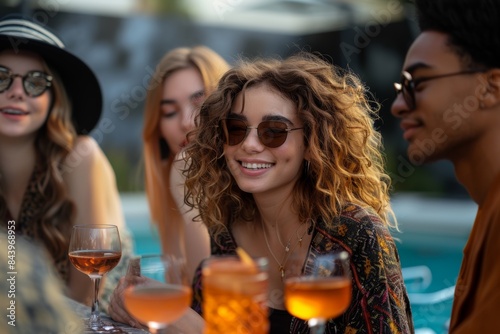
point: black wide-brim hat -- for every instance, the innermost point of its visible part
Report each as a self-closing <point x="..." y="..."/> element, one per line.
<point x="78" y="79"/>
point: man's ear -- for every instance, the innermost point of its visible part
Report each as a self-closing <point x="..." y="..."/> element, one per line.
<point x="490" y="96"/>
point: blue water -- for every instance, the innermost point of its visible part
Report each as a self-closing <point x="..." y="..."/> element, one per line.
<point x="444" y="262"/>
<point x="147" y="242"/>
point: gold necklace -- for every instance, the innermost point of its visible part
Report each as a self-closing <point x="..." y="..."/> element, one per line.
<point x="309" y="228"/>
<point x="288" y="251"/>
<point x="287" y="246"/>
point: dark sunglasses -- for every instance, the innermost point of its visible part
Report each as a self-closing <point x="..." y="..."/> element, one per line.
<point x="35" y="83"/>
<point x="408" y="84"/>
<point x="271" y="133"/>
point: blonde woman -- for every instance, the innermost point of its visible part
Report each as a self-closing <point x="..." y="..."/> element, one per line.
<point x="183" y="78"/>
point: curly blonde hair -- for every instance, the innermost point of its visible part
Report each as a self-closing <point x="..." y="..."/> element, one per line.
<point x="346" y="163"/>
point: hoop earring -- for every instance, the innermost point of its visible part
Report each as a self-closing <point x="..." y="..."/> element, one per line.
<point x="308" y="166"/>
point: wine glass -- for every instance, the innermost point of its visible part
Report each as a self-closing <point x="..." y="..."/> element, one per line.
<point x="322" y="294"/>
<point x="162" y="294"/>
<point x="94" y="250"/>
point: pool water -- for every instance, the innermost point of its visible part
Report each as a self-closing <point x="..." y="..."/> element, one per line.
<point x="444" y="264"/>
<point x="147" y="243"/>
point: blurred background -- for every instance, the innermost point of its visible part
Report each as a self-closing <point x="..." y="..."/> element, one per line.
<point x="123" y="40"/>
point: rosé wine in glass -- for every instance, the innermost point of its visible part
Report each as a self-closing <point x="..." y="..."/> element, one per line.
<point x="95" y="250"/>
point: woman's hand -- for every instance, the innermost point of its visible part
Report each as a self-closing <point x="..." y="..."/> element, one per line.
<point x="116" y="308"/>
<point x="190" y="323"/>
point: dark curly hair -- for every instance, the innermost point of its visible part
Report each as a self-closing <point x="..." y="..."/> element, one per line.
<point x="473" y="28"/>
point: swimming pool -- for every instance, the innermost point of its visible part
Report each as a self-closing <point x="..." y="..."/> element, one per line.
<point x="433" y="234"/>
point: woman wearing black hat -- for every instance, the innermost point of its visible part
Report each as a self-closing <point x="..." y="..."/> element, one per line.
<point x="52" y="176"/>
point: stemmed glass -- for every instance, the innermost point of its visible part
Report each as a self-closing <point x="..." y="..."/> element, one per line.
<point x="161" y="294"/>
<point x="322" y="294"/>
<point x="94" y="250"/>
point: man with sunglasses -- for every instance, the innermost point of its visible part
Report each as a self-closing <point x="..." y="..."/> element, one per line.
<point x="449" y="105"/>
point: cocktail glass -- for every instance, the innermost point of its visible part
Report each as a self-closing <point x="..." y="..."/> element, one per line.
<point x="322" y="295"/>
<point x="162" y="294"/>
<point x="235" y="295"/>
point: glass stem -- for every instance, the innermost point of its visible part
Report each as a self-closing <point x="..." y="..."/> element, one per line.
<point x="95" y="319"/>
<point x="317" y="326"/>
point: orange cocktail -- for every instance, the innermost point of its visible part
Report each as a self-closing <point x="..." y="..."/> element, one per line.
<point x="325" y="298"/>
<point x="235" y="296"/>
<point x="160" y="303"/>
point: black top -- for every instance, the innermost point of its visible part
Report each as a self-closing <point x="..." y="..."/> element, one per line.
<point x="280" y="321"/>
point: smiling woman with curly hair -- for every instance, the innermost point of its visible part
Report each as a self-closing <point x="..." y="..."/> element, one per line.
<point x="285" y="162"/>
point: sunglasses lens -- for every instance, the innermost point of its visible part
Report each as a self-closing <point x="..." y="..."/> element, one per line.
<point x="272" y="133"/>
<point x="407" y="89"/>
<point x="235" y="131"/>
<point x="5" y="80"/>
<point x="35" y="84"/>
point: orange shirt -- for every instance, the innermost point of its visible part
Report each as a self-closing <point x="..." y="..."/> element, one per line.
<point x="476" y="305"/>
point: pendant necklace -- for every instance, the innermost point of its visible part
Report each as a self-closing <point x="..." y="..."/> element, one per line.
<point x="288" y="250"/>
<point x="287" y="246"/>
<point x="299" y="237"/>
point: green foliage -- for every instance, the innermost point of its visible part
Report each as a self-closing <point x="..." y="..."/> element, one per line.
<point x="162" y="7"/>
<point x="129" y="176"/>
<point x="407" y="177"/>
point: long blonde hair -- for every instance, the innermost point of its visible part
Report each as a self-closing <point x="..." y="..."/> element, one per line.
<point x="157" y="158"/>
<point x="346" y="164"/>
